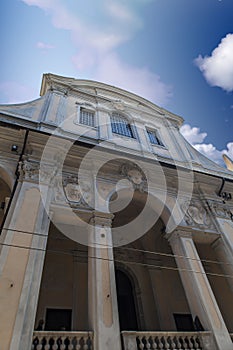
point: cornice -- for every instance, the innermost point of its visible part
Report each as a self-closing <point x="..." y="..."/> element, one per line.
<point x="51" y="80"/>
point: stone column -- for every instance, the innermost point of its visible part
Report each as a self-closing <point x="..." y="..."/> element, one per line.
<point x="200" y="297"/>
<point x="102" y="298"/>
<point x="21" y="264"/>
<point x="225" y="257"/>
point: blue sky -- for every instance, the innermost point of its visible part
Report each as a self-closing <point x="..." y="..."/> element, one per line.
<point x="176" y="53"/>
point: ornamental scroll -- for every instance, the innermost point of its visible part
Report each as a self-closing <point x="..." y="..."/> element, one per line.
<point x="196" y="214"/>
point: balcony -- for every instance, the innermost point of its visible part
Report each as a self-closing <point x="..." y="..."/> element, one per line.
<point x="48" y="340"/>
<point x="167" y="340"/>
<point x="53" y="340"/>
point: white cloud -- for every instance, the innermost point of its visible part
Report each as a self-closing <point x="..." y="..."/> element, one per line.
<point x="196" y="138"/>
<point x="138" y="80"/>
<point x="43" y="46"/>
<point x="192" y="134"/>
<point x="218" y="68"/>
<point x="210" y="151"/>
<point x="97" y="42"/>
<point x="229" y="151"/>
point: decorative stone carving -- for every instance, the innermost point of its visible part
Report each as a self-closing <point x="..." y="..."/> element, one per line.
<point x="196" y="214"/>
<point x="59" y="195"/>
<point x="221" y="210"/>
<point x="36" y="172"/>
<point x="119" y="105"/>
<point x="104" y="189"/>
<point x="135" y="175"/>
<point x="76" y="194"/>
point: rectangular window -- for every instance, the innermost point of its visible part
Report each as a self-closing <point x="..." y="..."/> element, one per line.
<point x="87" y="117"/>
<point x="184" y="322"/>
<point x="121" y="126"/>
<point x="153" y="137"/>
<point x="58" y="320"/>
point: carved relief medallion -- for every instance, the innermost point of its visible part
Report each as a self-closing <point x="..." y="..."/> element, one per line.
<point x="196" y="214"/>
<point x="135" y="175"/>
<point x="77" y="193"/>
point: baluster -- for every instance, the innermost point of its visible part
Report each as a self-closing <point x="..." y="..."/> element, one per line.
<point x="178" y="344"/>
<point x="63" y="345"/>
<point x="85" y="347"/>
<point x="153" y="343"/>
<point x="190" y="342"/>
<point x="140" y="342"/>
<point x="40" y="343"/>
<point x="147" y="343"/>
<point x="47" y="345"/>
<point x="78" y="346"/>
<point x="160" y="344"/>
<point x="183" y="343"/>
<point x="70" y="346"/>
<point x="156" y="339"/>
<point x="166" y="344"/>
<point x="196" y="343"/>
<point x="55" y="345"/>
<point x="35" y="342"/>
<point x="172" y="343"/>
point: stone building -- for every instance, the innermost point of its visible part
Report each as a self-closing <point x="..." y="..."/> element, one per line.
<point x="115" y="232"/>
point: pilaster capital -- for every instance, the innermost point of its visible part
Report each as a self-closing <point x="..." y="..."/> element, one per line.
<point x="177" y="234"/>
<point x="101" y="219"/>
<point x="36" y="172"/>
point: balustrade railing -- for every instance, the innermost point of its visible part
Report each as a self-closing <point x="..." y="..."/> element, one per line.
<point x="167" y="340"/>
<point x="43" y="340"/>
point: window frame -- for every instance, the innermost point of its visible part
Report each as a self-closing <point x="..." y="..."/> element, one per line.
<point x="86" y="109"/>
<point x="124" y="128"/>
<point x="156" y="134"/>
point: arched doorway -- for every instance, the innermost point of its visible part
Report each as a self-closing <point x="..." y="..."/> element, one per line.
<point x="126" y="304"/>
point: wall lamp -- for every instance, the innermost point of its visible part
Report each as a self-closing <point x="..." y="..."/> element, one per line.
<point x="14" y="148"/>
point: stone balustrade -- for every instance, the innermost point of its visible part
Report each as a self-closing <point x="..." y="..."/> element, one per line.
<point x="47" y="340"/>
<point x="167" y="340"/>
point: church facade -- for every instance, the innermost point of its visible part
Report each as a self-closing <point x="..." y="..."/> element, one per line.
<point x="115" y="232"/>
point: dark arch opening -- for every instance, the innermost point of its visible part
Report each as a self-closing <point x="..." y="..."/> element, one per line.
<point x="126" y="303"/>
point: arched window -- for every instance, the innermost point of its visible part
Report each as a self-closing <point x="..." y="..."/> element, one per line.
<point x="121" y="126"/>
